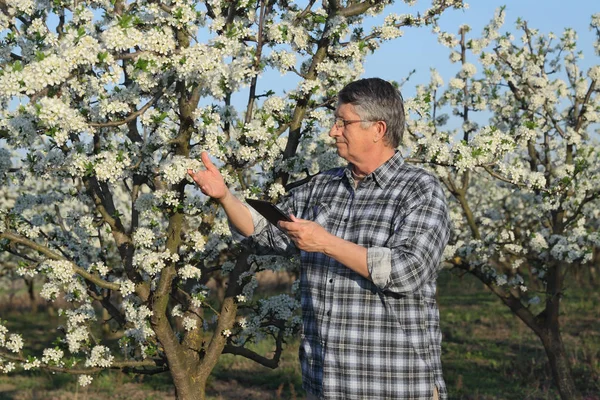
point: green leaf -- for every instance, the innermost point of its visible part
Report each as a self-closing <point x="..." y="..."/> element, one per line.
<point x="581" y="165"/>
<point x="320" y="19"/>
<point x="206" y="120"/>
<point x="566" y="180"/>
<point x="231" y="32"/>
<point x="102" y="56"/>
<point x="89" y="169"/>
<point x="142" y="64"/>
<point x="17" y="66"/>
<point x="151" y="350"/>
<point x="125" y="21"/>
<point x="52" y="131"/>
<point x="178" y="14"/>
<point x="477" y="152"/>
<point x="284" y="32"/>
<point x="157" y="119"/>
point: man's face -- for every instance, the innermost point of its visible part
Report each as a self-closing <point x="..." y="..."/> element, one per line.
<point x="353" y="142"/>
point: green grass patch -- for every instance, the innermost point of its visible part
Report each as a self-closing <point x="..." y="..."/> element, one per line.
<point x="487" y="353"/>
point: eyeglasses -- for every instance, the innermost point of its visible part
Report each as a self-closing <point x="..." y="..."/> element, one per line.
<point x="341" y="122"/>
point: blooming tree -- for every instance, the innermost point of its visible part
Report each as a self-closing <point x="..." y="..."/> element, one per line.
<point x="525" y="186"/>
<point x="105" y="104"/>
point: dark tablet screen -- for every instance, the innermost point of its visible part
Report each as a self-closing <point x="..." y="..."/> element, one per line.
<point x="270" y="211"/>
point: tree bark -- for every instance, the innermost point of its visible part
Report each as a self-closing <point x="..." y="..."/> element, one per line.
<point x="545" y="325"/>
<point x="189" y="386"/>
<point x="559" y="364"/>
<point x="31" y="291"/>
<point x="550" y="332"/>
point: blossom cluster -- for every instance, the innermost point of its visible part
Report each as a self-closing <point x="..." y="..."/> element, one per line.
<point x="532" y="158"/>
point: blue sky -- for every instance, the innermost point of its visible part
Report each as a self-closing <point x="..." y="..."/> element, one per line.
<point x="418" y="48"/>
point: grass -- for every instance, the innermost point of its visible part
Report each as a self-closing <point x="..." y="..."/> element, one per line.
<point x="490" y="354"/>
<point x="487" y="354"/>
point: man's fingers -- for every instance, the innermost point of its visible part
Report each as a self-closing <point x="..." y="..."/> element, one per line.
<point x="282" y="225"/>
<point x="206" y="161"/>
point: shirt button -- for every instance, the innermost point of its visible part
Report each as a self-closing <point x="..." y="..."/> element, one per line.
<point x="331" y="280"/>
<point x="345" y="219"/>
<point x="329" y="313"/>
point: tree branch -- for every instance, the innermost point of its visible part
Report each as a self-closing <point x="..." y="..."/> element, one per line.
<point x="251" y="355"/>
<point x="509" y="299"/>
<point x="80" y="371"/>
<point x="131" y="116"/>
<point x="54" y="256"/>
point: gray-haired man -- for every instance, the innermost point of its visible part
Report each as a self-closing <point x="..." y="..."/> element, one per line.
<point x="370" y="236"/>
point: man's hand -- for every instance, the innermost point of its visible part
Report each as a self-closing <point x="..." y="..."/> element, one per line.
<point x="306" y="235"/>
<point x="210" y="181"/>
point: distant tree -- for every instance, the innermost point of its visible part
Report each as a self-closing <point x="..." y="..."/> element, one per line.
<point x="104" y="105"/>
<point x="525" y="186"/>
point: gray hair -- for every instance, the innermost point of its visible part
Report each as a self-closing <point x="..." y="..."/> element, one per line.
<point x="377" y="100"/>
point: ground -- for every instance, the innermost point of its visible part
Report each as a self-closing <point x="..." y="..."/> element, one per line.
<point x="487" y="354"/>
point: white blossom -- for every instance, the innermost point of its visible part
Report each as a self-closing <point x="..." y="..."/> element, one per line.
<point x="99" y="357"/>
<point x="52" y="357"/>
<point x="84" y="380"/>
<point x="14" y="343"/>
<point x="457" y="83"/>
<point x="189" y="324"/>
<point x="189" y="272"/>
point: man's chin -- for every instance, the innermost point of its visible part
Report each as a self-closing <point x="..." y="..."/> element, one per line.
<point x="341" y="150"/>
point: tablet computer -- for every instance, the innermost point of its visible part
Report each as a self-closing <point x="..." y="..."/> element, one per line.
<point x="270" y="211"/>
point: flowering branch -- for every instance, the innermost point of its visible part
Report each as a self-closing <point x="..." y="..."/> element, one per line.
<point x="431" y="15"/>
<point x="300" y="17"/>
<point x="122" y="365"/>
<point x="496" y="175"/>
<point x="579" y="117"/>
<point x="131" y="116"/>
<point x="577" y="213"/>
<point x="54" y="256"/>
<point x="257" y="58"/>
<point x="512" y="301"/>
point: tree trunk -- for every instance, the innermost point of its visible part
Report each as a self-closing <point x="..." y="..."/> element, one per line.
<point x="189" y="387"/>
<point x="551" y="336"/>
<point x="546" y="326"/>
<point x="106" y="333"/>
<point x="559" y="364"/>
<point x="31" y="293"/>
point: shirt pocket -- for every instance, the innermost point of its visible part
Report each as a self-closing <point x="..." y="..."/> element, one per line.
<point x="318" y="213"/>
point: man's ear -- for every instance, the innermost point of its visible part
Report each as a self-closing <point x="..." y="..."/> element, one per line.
<point x="380" y="130"/>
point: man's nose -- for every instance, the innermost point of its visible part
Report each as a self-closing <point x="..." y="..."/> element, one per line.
<point x="334" y="131"/>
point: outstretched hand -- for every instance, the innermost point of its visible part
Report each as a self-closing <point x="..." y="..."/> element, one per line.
<point x="306" y="235"/>
<point x="210" y="181"/>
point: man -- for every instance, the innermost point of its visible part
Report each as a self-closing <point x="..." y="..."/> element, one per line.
<point x="371" y="236"/>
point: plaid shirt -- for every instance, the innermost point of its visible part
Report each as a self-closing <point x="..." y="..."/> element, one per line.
<point x="379" y="338"/>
